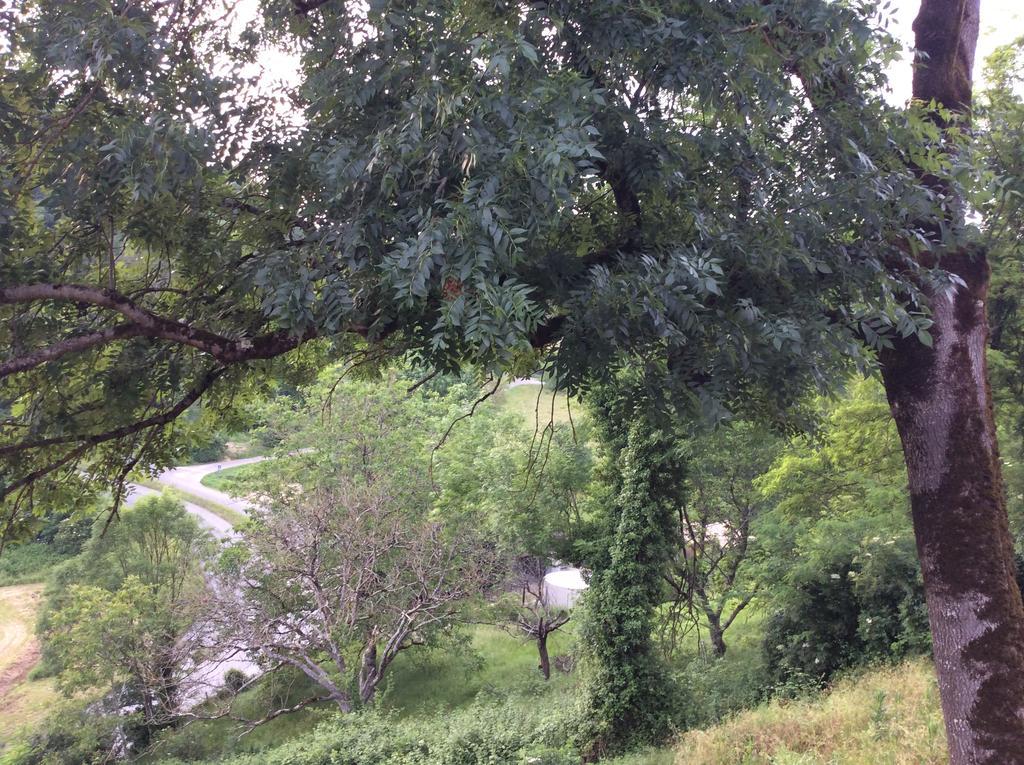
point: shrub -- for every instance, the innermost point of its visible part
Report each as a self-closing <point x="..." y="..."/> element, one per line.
<point x="234" y="679"/>
<point x="25" y="563"/>
<point x="522" y="730"/>
<point x="210" y="450"/>
<point x="857" y="599"/>
<point x="77" y="733"/>
<point x="712" y="688"/>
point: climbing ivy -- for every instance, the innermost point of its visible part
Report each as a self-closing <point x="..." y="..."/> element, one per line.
<point x="628" y="698"/>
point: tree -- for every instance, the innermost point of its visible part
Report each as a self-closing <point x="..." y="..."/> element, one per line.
<point x="336" y="583"/>
<point x="527" y="191"/>
<point x="343" y="565"/>
<point x="132" y="623"/>
<point x="842" y="585"/>
<point x="533" y="615"/>
<point x="715" y="528"/>
<point x="628" y="695"/>
<point x="941" y="401"/>
<point x="714" y="192"/>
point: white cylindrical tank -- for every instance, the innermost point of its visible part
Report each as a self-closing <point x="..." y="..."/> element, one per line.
<point x="563" y="587"/>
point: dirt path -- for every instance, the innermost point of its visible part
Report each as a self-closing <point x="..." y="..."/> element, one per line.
<point x="19" y="649"/>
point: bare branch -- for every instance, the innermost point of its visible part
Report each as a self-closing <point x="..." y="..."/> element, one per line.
<point x="148" y="324"/>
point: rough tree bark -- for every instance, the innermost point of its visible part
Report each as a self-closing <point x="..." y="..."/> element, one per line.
<point x="942" y="404"/>
<point x="545" y="660"/>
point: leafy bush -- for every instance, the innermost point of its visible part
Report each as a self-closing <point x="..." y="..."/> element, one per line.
<point x="77" y="733"/>
<point x="27" y="563"/>
<point x="60" y="537"/>
<point x="857" y="597"/>
<point x="494" y="729"/>
<point x="210" y="449"/>
<point x="712" y="688"/>
<point x="234" y="679"/>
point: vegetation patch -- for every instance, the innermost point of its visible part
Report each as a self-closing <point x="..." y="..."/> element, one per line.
<point x="227" y="480"/>
<point x="888" y="715"/>
<point x="221" y="511"/>
<point x="23" y="702"/>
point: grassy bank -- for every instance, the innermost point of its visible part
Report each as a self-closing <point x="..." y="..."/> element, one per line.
<point x="28" y="563"/>
<point x="425" y="686"/>
<point x="535" y="404"/>
<point x="226" y="480"/>
<point x="889" y="715"/>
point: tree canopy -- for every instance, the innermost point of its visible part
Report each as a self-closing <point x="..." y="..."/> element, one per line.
<point x="463" y="181"/>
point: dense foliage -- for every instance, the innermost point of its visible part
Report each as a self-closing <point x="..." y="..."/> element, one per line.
<point x="628" y="701"/>
<point x="467" y="181"/>
<point x="674" y="208"/>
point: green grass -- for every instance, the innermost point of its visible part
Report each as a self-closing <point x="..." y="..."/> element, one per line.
<point x="242" y="445"/>
<point x="423" y="684"/>
<point x="663" y="756"/>
<point x="449" y="677"/>
<point x="523" y="399"/>
<point x="889" y="715"/>
<point x="741" y="639"/>
<point x="225" y="480"/>
<point x="28" y="563"/>
<point x="25" y="702"/>
<point x="222" y="511"/>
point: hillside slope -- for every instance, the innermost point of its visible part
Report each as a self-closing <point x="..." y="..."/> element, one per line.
<point x="889" y="715"/>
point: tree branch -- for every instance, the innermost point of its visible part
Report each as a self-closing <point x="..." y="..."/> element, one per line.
<point x="149" y="324"/>
<point x="94" y="439"/>
<point x="69" y="345"/>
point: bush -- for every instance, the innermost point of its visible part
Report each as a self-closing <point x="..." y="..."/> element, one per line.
<point x="234" y="679"/>
<point x="210" y="450"/>
<point x="712" y="688"/>
<point x="527" y="730"/>
<point x="78" y="733"/>
<point x="26" y="563"/>
<point x="857" y="599"/>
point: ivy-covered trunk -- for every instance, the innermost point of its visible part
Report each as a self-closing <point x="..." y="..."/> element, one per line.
<point x="628" y="693"/>
<point x="942" y="404"/>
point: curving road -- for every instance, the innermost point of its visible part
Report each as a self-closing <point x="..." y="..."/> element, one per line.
<point x="188" y="478"/>
<point x="207" y="677"/>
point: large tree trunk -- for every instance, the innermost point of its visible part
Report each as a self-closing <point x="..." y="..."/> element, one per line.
<point x="942" y="404"/>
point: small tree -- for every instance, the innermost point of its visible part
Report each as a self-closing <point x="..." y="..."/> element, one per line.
<point x="709" y="578"/>
<point x="132" y="620"/>
<point x="531" y="613"/>
<point x="336" y="582"/>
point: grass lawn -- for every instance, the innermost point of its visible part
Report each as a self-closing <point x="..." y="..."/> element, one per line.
<point x="225" y="480"/>
<point x="523" y="399"/>
<point x="222" y="511"/>
<point x="422" y="683"/>
<point x="432" y="682"/>
<point x="23" y="702"/>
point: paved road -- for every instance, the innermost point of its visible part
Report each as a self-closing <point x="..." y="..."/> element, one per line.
<point x="220" y="528"/>
<point x="189" y="478"/>
<point x="206" y="678"/>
